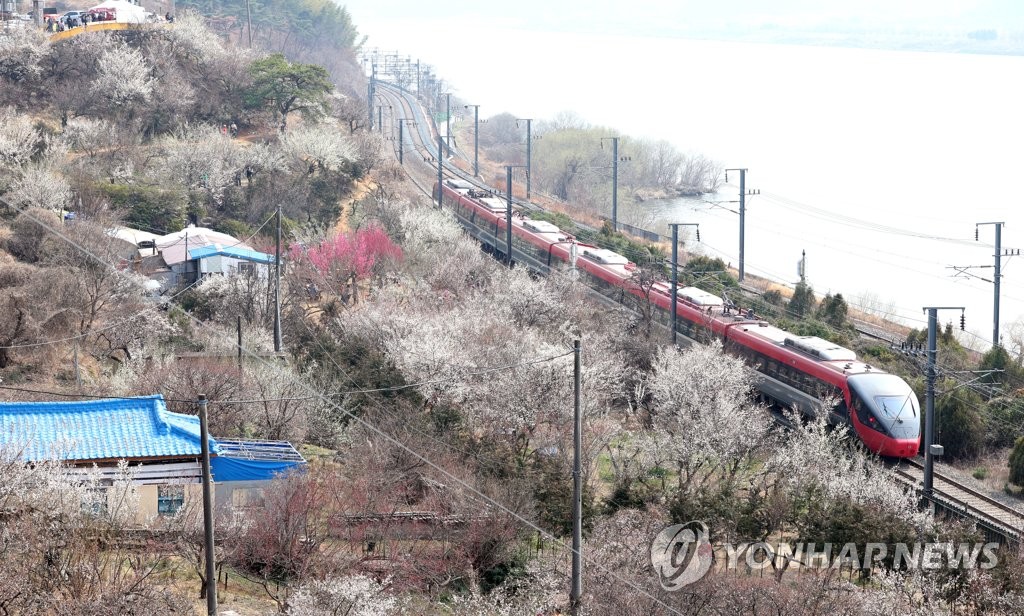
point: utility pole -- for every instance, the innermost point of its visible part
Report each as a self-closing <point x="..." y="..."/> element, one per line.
<point x="448" y="116"/>
<point x="615" y="180"/>
<point x="508" y="218"/>
<point x="508" y="214"/>
<point x="995" y="279"/>
<point x="208" y="549"/>
<point x="380" y="119"/>
<point x="476" y="139"/>
<point x="277" y="284"/>
<point x="187" y="260"/>
<point x="576" y="592"/>
<point x="615" y="189"/>
<point x="930" y="448"/>
<point x="440" y="173"/>
<point x="248" y="18"/>
<point x="371" y="90"/>
<point x="675" y="269"/>
<point x="529" y="150"/>
<point x="239" y="327"/>
<point x="744" y="193"/>
<point x="78" y="373"/>
<point x="401" y="137"/>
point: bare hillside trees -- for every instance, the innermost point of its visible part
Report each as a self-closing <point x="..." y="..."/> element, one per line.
<point x="573" y="161"/>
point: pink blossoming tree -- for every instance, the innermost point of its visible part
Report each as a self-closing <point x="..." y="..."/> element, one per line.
<point x="345" y="259"/>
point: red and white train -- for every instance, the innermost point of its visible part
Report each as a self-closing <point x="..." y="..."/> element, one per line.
<point x="794" y="371"/>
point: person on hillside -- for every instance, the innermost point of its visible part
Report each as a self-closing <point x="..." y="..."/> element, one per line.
<point x="234" y="129"/>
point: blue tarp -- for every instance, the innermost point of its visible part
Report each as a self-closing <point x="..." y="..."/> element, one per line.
<point x="225" y="468"/>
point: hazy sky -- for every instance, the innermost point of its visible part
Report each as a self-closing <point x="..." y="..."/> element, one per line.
<point x="667" y="17"/>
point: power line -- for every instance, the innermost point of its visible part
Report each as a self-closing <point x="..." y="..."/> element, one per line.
<point x="867" y="225"/>
<point x="81" y="395"/>
<point x="474" y="372"/>
<point x="98" y="330"/>
<point x="472" y="490"/>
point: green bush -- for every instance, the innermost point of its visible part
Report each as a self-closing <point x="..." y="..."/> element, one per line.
<point x="1006" y="370"/>
<point x="1017" y="463"/>
<point x="1003" y="412"/>
<point x="958" y="422"/>
<point x="709" y="274"/>
<point x="880" y="352"/>
<point x="234" y="228"/>
<point x="803" y="302"/>
<point x="150" y="208"/>
<point x="833" y="310"/>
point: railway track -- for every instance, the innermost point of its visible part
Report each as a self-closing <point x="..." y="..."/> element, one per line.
<point x="953" y="496"/>
<point x="996" y="519"/>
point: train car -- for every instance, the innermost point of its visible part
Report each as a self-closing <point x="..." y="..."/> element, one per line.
<point x="806" y="373"/>
<point x="803" y="371"/>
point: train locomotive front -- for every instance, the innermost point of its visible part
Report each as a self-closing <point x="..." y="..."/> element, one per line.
<point x="885" y="414"/>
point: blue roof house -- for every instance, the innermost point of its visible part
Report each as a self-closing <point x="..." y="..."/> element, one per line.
<point x="162" y="448"/>
<point x="229" y="260"/>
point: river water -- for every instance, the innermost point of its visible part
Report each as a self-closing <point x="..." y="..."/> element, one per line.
<point x="878" y="163"/>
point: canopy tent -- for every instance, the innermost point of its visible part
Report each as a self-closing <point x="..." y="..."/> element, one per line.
<point x="126" y="12"/>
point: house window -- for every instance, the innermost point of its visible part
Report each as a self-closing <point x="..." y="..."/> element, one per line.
<point x="246" y="267"/>
<point x="94" y="501"/>
<point x="169" y="499"/>
<point x="242" y="498"/>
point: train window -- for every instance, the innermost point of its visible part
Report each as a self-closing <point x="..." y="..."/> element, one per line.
<point x="863" y="412"/>
<point x="840" y="407"/>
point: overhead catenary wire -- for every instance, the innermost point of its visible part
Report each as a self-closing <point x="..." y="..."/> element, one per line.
<point x="903" y="313"/>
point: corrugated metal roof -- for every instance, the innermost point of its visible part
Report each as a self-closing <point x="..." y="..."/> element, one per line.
<point x="235" y="252"/>
<point x="173" y="245"/>
<point x="122" y="428"/>
<point x="259" y="450"/>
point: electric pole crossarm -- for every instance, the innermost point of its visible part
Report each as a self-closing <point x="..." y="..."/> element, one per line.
<point x="961" y="270"/>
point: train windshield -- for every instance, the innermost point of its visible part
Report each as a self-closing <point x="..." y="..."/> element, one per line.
<point x="890" y="403"/>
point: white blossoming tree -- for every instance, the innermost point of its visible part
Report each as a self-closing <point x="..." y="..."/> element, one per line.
<point x="124" y="77"/>
<point x="352" y="595"/>
<point x="21" y="52"/>
<point x="321" y="146"/>
<point x="705" y="427"/>
<point x="42" y="188"/>
<point x="199" y="156"/>
<point x="19" y="140"/>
